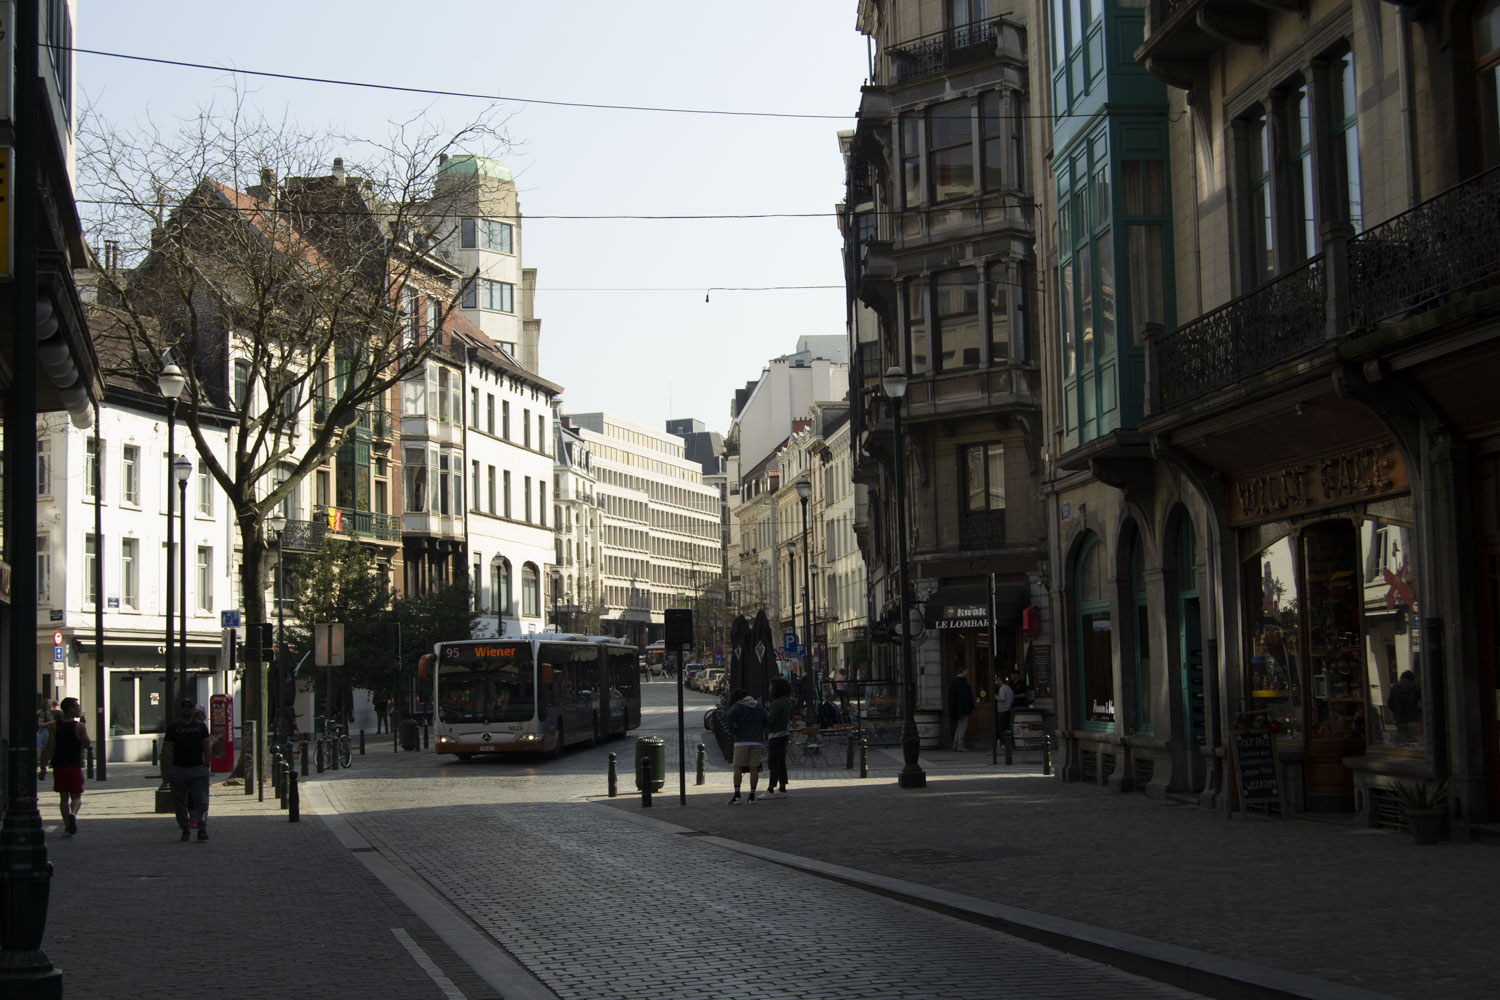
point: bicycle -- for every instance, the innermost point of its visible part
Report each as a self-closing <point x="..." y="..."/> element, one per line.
<point x="336" y="742"/>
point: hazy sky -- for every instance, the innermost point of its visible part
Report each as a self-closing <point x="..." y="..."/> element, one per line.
<point x="636" y="348"/>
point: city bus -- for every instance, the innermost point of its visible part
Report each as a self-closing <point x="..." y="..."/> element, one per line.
<point x="535" y="694"/>
<point x="655" y="660"/>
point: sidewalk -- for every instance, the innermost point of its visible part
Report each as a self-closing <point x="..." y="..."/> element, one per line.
<point x="265" y="908"/>
<point x="1005" y="846"/>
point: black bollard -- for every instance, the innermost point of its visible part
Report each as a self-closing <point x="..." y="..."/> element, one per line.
<point x="1010" y="746"/>
<point x="425" y="744"/>
<point x="304" y="758"/>
<point x="702" y="763"/>
<point x="288" y="776"/>
<point x="1047" y="753"/>
<point x="648" y="777"/>
<point x="88" y="754"/>
<point x="276" y="774"/>
<point x="294" y="801"/>
<point x="361" y="742"/>
<point x="614" y="779"/>
<point x="320" y="756"/>
<point x="154" y="750"/>
<point x="864" y="757"/>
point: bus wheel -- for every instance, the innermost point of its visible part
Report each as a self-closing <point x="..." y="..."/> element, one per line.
<point x="465" y="756"/>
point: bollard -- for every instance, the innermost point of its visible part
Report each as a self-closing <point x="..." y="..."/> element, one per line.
<point x="276" y="774"/>
<point x="361" y="742"/>
<point x="304" y="758"/>
<point x="1047" y="753"/>
<point x="648" y="778"/>
<point x="425" y="744"/>
<point x="154" y="750"/>
<point x="320" y="756"/>
<point x="864" y="757"/>
<point x="849" y="755"/>
<point x="614" y="780"/>
<point x="1010" y="746"/>
<point x="702" y="762"/>
<point x="289" y="776"/>
<point x="88" y="755"/>
<point x="294" y="802"/>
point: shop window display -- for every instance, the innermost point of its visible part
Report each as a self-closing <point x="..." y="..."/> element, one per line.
<point x="1392" y="636"/>
<point x="1334" y="649"/>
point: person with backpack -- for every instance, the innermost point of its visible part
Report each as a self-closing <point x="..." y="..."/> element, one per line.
<point x="747" y="722"/>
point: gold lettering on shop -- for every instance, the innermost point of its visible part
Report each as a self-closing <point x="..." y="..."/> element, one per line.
<point x="1369" y="471"/>
<point x="1274" y="492"/>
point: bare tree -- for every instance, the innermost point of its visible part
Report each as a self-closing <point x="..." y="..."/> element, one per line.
<point x="284" y="290"/>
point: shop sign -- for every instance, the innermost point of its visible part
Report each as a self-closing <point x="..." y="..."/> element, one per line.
<point x="963" y="616"/>
<point x="1326" y="481"/>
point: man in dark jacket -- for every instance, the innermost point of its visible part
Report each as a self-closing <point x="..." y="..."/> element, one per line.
<point x="747" y="721"/>
<point x="960" y="706"/>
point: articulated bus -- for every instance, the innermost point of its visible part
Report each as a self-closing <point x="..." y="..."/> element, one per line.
<point x="536" y="693"/>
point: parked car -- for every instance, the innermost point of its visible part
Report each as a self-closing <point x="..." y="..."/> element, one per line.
<point x="712" y="680"/>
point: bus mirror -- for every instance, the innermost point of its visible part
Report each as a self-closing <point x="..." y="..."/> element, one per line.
<point x="546" y="675"/>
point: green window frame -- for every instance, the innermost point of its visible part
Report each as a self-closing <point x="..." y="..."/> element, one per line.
<point x="1300" y="175"/>
<point x="1344" y="101"/>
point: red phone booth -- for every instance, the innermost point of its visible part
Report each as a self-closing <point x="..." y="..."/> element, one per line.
<point x="221" y="725"/>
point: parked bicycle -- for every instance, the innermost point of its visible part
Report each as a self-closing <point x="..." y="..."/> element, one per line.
<point x="336" y="741"/>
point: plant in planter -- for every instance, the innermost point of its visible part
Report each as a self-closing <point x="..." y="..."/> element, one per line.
<point x="1423" y="805"/>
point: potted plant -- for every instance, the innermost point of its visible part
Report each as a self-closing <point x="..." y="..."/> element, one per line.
<point x="1423" y="805"/>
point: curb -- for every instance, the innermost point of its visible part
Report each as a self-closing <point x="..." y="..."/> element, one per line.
<point x="1196" y="971"/>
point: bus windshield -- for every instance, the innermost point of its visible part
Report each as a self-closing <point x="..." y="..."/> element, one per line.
<point x="493" y="689"/>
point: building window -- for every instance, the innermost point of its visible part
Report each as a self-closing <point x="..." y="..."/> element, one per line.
<point x="470" y="298"/>
<point x="526" y="428"/>
<point x="541" y="509"/>
<point x="506" y="493"/>
<point x="951" y="151"/>
<point x="1094" y="637"/>
<point x="442" y="485"/>
<point x="497" y="295"/>
<point x="501" y="588"/>
<point x="1141" y="627"/>
<point x="489" y="423"/>
<point x="1487" y="79"/>
<point x="414" y="396"/>
<point x="1304" y="233"/>
<point x="992" y="133"/>
<point x="91" y="448"/>
<point x="44" y="467"/>
<point x="1262" y="223"/>
<point x="1345" y="107"/>
<point x="490" y="494"/>
<point x="958" y="319"/>
<point x="414" y="471"/>
<point x="531" y="597"/>
<point x="205" y="579"/>
<point x="911" y="161"/>
<point x="541" y="434"/>
<point x="984" y="477"/>
<point x="241" y="384"/>
<point x="486" y="234"/>
<point x="130" y="475"/>
<point x="915" y="303"/>
<point x="44" y="569"/>
<point x="474" y="407"/>
<point x="130" y="563"/>
<point x="1143" y="186"/>
<point x="90" y="569"/>
<point x="505" y="419"/>
<point x="320" y="488"/>
<point x="528" y="499"/>
<point x="205" y="491"/>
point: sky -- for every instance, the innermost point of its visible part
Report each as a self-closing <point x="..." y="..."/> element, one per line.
<point x="625" y="325"/>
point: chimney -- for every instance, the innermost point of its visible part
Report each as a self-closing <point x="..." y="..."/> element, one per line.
<point x="338" y="169"/>
<point x="442" y="159"/>
<point x="265" y="191"/>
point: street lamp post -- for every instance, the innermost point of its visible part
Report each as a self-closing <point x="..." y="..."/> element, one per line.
<point x="277" y="523"/>
<point x="912" y="776"/>
<point x="171" y="383"/>
<point x="791" y="591"/>
<point x="182" y="470"/>
<point x="804" y="490"/>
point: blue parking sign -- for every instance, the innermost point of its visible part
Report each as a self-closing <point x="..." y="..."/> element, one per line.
<point x="789" y="641"/>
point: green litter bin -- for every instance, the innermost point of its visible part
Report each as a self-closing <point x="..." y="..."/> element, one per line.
<point x="410" y="738"/>
<point x="651" y="748"/>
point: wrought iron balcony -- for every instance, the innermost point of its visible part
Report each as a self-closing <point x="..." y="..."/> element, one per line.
<point x="1446" y="247"/>
<point x="346" y="522"/>
<point x="1251" y="334"/>
<point x="981" y="529"/>
<point x="945" y="50"/>
<point x="298" y="536"/>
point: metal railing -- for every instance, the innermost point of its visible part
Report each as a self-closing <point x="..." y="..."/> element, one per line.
<point x="944" y="50"/>
<point x="1446" y="246"/>
<point x="351" y="523"/>
<point x="1272" y="324"/>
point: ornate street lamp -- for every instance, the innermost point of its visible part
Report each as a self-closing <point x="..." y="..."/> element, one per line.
<point x="171" y="383"/>
<point x="804" y="490"/>
<point x="182" y="471"/>
<point x="277" y="523"/>
<point x="912" y="776"/>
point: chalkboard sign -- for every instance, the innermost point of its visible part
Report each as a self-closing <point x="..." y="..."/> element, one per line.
<point x="1255" y="766"/>
<point x="1041" y="666"/>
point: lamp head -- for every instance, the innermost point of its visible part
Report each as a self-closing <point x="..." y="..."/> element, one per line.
<point x="182" y="468"/>
<point x="894" y="382"/>
<point x="277" y="522"/>
<point x="804" y="487"/>
<point x="791" y="547"/>
<point x="171" y="382"/>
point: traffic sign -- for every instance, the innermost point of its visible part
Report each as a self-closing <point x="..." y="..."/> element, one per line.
<point x="57" y="638"/>
<point x="229" y="619"/>
<point x="789" y="641"/>
<point x="57" y="654"/>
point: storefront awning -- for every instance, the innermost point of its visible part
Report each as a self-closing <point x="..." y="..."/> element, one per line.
<point x="967" y="606"/>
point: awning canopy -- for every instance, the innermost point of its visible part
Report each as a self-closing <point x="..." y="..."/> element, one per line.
<point x="967" y="606"/>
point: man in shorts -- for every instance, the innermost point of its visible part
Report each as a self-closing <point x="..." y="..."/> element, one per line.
<point x="65" y="742"/>
<point x="746" y="720"/>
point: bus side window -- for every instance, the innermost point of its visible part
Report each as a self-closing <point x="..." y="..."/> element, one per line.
<point x="546" y="675"/>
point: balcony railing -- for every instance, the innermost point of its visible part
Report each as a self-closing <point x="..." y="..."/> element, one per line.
<point x="351" y="523"/>
<point x="981" y="529"/>
<point x="1255" y="332"/>
<point x="1445" y="247"/>
<point x="944" y="50"/>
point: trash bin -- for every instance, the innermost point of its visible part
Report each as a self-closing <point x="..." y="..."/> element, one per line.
<point x="654" y="748"/>
<point x="410" y="737"/>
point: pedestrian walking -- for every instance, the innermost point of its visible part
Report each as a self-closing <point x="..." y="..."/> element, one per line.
<point x="960" y="706"/>
<point x="1005" y="703"/>
<point x="382" y="713"/>
<point x="66" y="738"/>
<point x="778" y="734"/>
<point x="747" y="721"/>
<point x="184" y="760"/>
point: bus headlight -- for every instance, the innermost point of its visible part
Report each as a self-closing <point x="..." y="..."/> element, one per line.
<point x="531" y="737"/>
